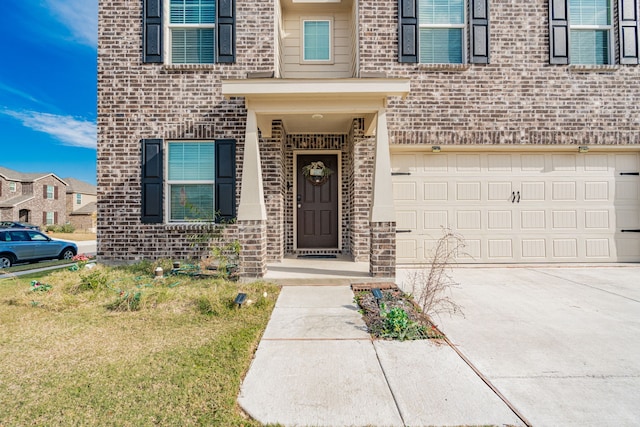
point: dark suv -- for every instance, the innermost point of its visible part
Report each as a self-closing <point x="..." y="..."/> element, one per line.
<point x="26" y="245"/>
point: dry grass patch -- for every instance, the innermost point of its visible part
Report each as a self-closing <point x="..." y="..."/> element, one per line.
<point x="76" y="236"/>
<point x="178" y="358"/>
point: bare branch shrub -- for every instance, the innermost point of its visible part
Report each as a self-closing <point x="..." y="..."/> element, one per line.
<point x="431" y="285"/>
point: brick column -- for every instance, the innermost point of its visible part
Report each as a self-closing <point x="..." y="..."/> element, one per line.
<point x="382" y="261"/>
<point x="252" y="235"/>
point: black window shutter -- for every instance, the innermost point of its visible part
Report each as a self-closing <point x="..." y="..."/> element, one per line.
<point x="628" y="18"/>
<point x="152" y="31"/>
<point x="408" y="31"/>
<point x="559" y="31"/>
<point x="479" y="31"/>
<point x="226" y="31"/>
<point x="226" y="179"/>
<point x="152" y="177"/>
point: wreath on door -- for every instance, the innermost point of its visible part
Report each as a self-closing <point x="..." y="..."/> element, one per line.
<point x="316" y="173"/>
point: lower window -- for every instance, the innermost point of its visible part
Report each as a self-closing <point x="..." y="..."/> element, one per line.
<point x="191" y="181"/>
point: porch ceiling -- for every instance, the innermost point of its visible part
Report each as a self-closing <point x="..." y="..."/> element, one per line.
<point x="315" y="106"/>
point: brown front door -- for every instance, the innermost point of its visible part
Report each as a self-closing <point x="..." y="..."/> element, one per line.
<point x="317" y="204"/>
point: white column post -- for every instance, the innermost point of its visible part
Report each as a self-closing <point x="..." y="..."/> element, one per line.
<point x="252" y="206"/>
<point x="382" y="208"/>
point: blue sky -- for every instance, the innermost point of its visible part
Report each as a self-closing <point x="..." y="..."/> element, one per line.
<point x="48" y="86"/>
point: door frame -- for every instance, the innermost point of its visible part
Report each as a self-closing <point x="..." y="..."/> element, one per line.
<point x="294" y="202"/>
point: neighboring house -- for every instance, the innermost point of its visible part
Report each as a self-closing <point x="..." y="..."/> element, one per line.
<point x="36" y="198"/>
<point x="81" y="201"/>
<point x="514" y="123"/>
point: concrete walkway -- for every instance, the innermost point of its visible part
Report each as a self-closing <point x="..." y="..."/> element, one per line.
<point x="316" y="366"/>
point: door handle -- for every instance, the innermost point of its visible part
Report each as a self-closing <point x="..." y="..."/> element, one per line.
<point x="513" y="196"/>
<point x="518" y="197"/>
<point x="299" y="205"/>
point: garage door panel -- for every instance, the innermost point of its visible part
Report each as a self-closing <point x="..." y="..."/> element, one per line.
<point x="499" y="249"/>
<point x="599" y="220"/>
<point x="435" y="220"/>
<point x="405" y="191"/>
<point x="596" y="191"/>
<point x="532" y="191"/>
<point x="565" y="248"/>
<point x="469" y="220"/>
<point x="468" y="191"/>
<point x="407" y="220"/>
<point x="499" y="220"/>
<point x="434" y="191"/>
<point x="563" y="162"/>
<point x="500" y="162"/>
<point x="533" y="249"/>
<point x="499" y="191"/>
<point x="532" y="220"/>
<point x="467" y="162"/>
<point x="597" y="248"/>
<point x="572" y="207"/>
<point x="564" y="191"/>
<point x="596" y="163"/>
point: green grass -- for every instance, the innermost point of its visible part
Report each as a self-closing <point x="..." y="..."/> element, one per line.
<point x="76" y="355"/>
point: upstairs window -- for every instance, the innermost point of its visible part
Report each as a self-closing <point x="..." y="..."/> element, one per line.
<point x="316" y="40"/>
<point x="192" y="31"/>
<point x="442" y="24"/>
<point x="584" y="32"/>
<point x="443" y="31"/>
<point x="590" y="31"/>
<point x="12" y="187"/>
<point x="189" y="31"/>
<point x="50" y="192"/>
<point x="78" y="199"/>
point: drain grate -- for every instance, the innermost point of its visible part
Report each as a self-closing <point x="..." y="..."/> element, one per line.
<point x="317" y="256"/>
<point x="366" y="287"/>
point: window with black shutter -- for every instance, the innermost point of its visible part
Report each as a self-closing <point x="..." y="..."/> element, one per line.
<point x="195" y="32"/>
<point x="443" y="31"/>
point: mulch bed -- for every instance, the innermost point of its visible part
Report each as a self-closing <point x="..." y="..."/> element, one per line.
<point x="392" y="297"/>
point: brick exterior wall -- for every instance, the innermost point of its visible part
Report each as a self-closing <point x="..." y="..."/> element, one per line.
<point x="517" y="99"/>
<point x="383" y="249"/>
<point x="137" y="101"/>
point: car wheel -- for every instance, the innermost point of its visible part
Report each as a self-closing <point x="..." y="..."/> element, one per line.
<point x="68" y="253"/>
<point x="6" y="261"/>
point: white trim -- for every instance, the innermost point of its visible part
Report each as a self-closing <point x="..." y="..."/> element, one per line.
<point x="167" y="183"/>
<point x="166" y="36"/>
<point x="609" y="28"/>
<point x="294" y="200"/>
<point x="328" y="19"/>
<point x="464" y="26"/>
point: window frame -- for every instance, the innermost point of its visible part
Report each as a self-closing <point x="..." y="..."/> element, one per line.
<point x="168" y="183"/>
<point x="464" y="26"/>
<point x="610" y="29"/>
<point x="51" y="192"/>
<point x="50" y="218"/>
<point x="168" y="39"/>
<point x="78" y="199"/>
<point x="326" y="18"/>
<point x="13" y="187"/>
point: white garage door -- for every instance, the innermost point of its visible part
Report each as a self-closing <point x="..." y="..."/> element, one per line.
<point x="519" y="207"/>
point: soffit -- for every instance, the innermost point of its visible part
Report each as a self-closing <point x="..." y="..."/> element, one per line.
<point x="314" y="106"/>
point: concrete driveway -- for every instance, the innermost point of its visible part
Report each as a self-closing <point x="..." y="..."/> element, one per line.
<point x="561" y="344"/>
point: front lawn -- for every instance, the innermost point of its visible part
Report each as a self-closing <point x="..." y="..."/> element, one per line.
<point x="115" y="347"/>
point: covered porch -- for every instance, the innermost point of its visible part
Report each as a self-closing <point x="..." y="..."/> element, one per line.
<point x="282" y="214"/>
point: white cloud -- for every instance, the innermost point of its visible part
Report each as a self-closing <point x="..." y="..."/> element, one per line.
<point x="80" y="16"/>
<point x="72" y="131"/>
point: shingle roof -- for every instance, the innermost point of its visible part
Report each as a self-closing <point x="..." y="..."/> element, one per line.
<point x="82" y="187"/>
<point x="15" y="201"/>
<point x="87" y="209"/>
<point x="12" y="175"/>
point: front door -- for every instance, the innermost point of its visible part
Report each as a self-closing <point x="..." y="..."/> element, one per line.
<point x="317" y="203"/>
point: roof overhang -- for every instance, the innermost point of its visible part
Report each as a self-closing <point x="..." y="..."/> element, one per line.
<point x="315" y="106"/>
